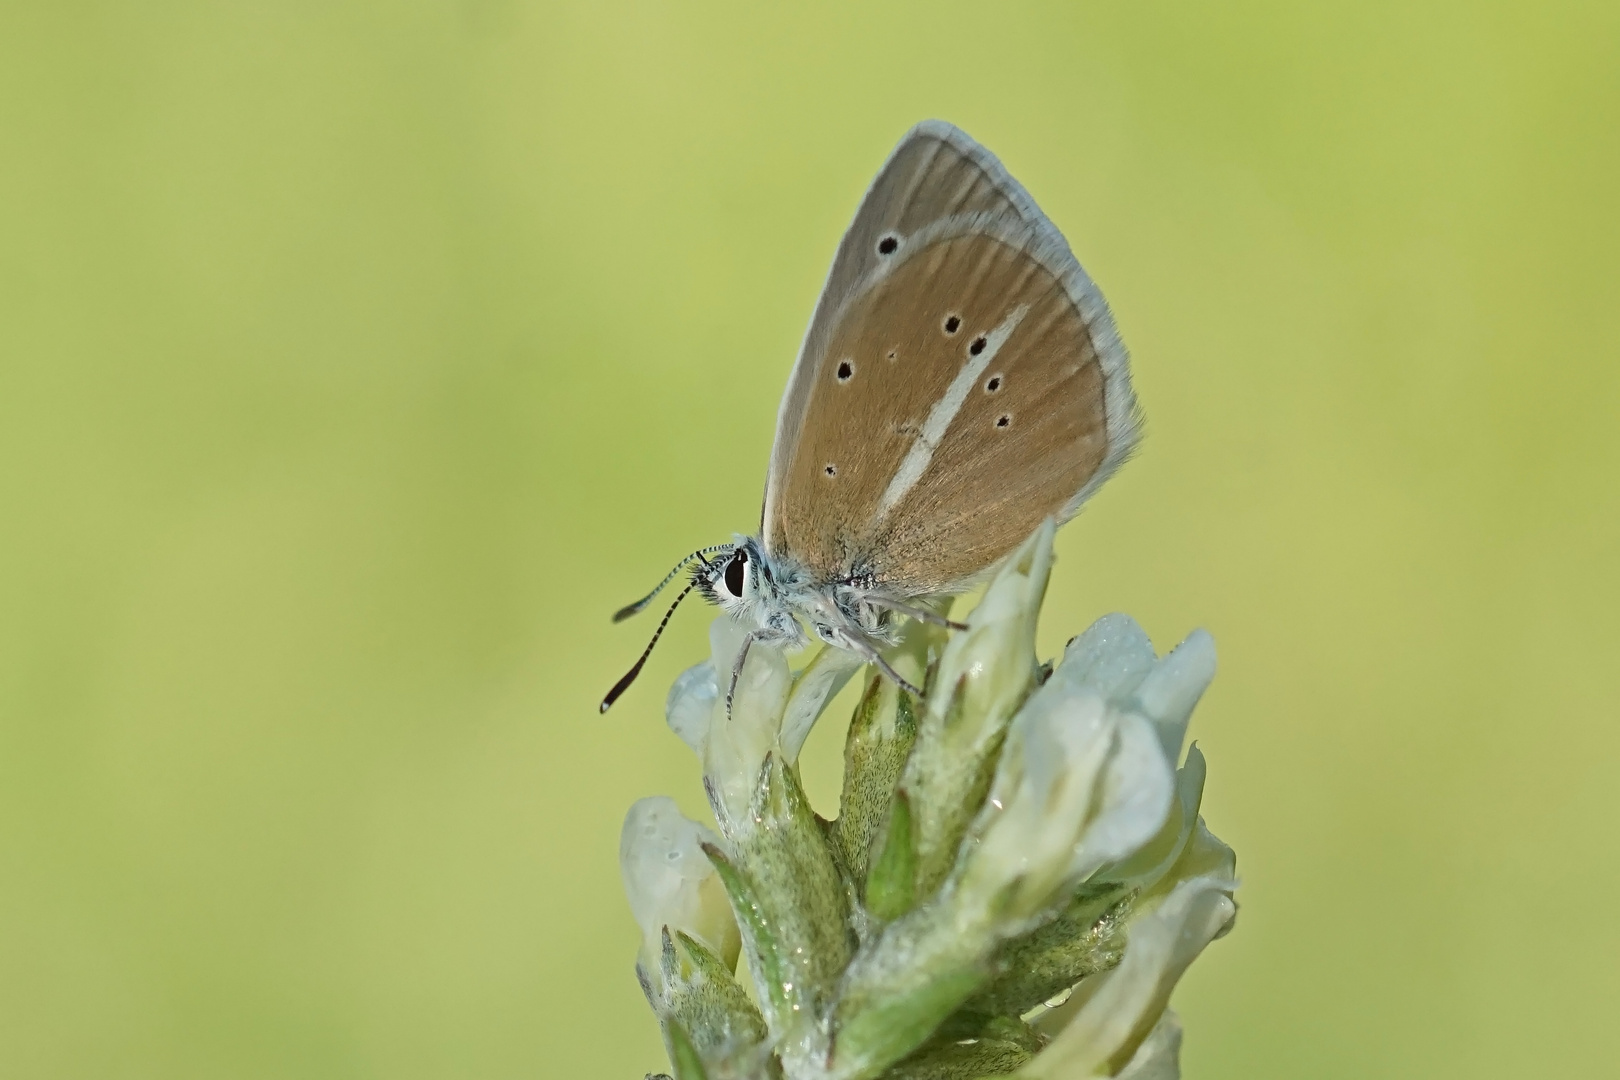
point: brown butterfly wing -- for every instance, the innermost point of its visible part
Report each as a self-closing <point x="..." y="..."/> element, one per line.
<point x="960" y="382"/>
<point x="935" y="173"/>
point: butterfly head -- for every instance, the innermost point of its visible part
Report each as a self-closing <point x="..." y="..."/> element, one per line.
<point x="746" y="584"/>
<point x="738" y="580"/>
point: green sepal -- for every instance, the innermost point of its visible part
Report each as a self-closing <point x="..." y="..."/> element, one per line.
<point x="669" y="961"/>
<point x="891" y="882"/>
<point x="682" y="1054"/>
<point x="968" y="1047"/>
<point x="1086" y="938"/>
<point x="875" y="1037"/>
<point x="967" y="1024"/>
<point x="709" y="1004"/>
<point x="759" y="940"/>
<point x="789" y="898"/>
<point x="881" y="734"/>
<point x="798" y="886"/>
<point x="703" y="961"/>
<point x="851" y="886"/>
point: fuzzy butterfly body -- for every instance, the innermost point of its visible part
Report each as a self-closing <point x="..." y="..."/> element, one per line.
<point x="960" y="382"/>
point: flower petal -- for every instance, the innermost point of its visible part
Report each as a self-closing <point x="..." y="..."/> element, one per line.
<point x="690" y="705"/>
<point x="1113" y="656"/>
<point x="813" y="688"/>
<point x="1159" y="1056"/>
<point x="1173" y="687"/>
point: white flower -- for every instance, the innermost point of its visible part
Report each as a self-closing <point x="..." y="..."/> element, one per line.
<point x="771" y="712"/>
<point x="1079" y="785"/>
<point x="732" y="748"/>
<point x="671" y="883"/>
<point x="1087" y="776"/>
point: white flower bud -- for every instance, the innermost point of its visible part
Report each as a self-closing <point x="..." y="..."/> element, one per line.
<point x="1112" y="657"/>
<point x="1087" y="776"/>
<point x="995" y="655"/>
<point x="1153" y="861"/>
<point x="670" y="882"/>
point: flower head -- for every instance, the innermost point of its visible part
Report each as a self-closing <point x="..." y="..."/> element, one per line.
<point x="1022" y="833"/>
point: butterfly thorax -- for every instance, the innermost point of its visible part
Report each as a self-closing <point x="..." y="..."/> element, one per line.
<point x="776" y="598"/>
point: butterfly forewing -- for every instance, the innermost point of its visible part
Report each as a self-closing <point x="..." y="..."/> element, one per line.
<point x="935" y="173"/>
<point x="961" y="381"/>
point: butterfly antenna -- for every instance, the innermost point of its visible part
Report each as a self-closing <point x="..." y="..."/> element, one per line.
<point x="640" y="605"/>
<point x="630" y="676"/>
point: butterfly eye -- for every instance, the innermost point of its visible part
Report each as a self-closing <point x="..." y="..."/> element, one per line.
<point x="736" y="572"/>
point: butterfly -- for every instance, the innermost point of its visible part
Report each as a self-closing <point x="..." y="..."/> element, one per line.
<point x="961" y="381"/>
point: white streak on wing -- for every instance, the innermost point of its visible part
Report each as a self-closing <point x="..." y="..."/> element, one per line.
<point x="944" y="411"/>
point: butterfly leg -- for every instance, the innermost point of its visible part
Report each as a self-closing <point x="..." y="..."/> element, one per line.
<point x="863" y="648"/>
<point x="922" y="614"/>
<point x="737" y="667"/>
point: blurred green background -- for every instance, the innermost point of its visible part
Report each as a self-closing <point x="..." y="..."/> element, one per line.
<point x="357" y="359"/>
